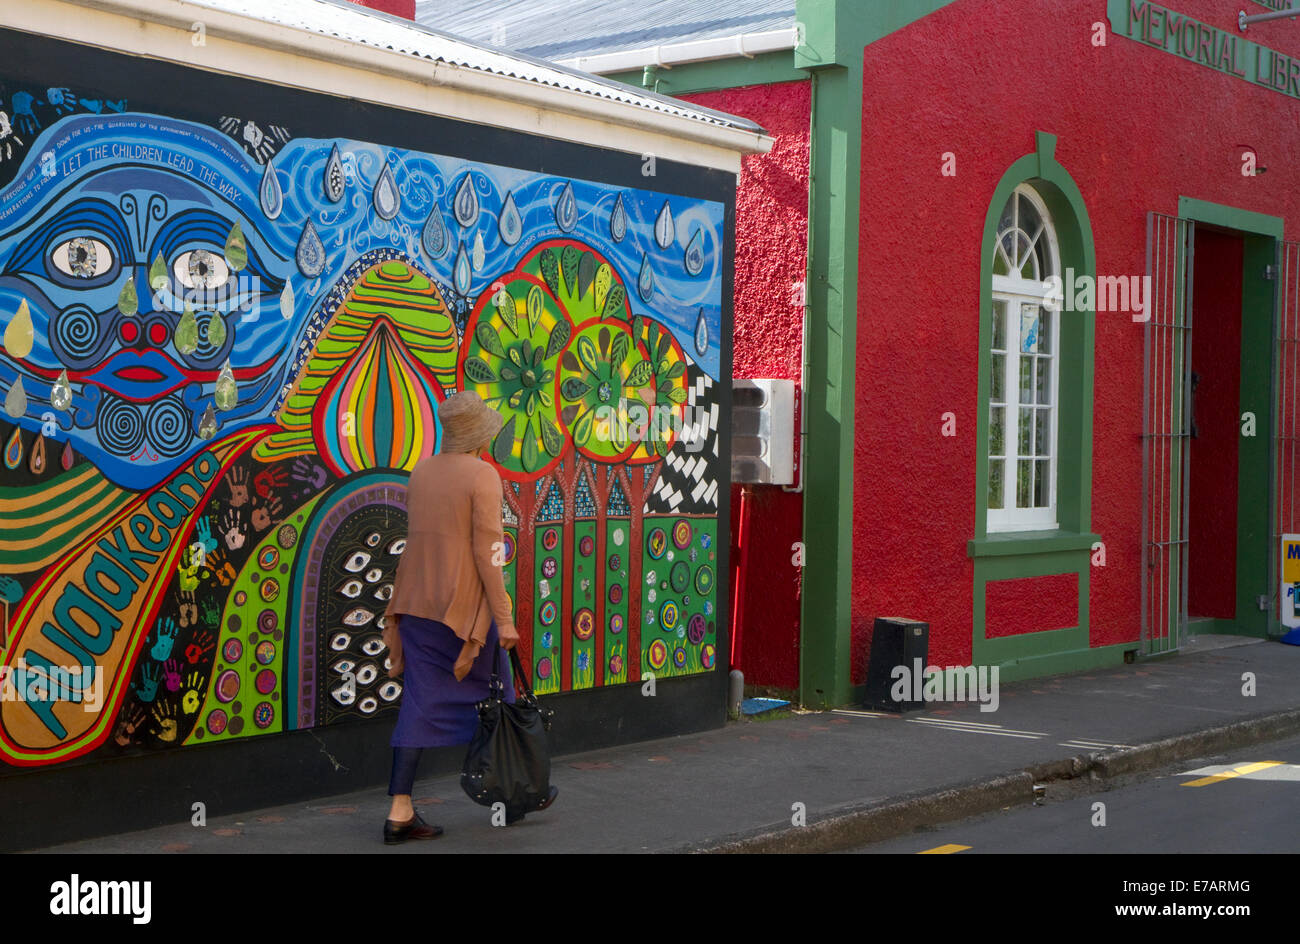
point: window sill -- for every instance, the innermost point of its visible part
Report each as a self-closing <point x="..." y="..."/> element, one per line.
<point x="1012" y="543"/>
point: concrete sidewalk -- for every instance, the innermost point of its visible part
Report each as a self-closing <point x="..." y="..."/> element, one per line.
<point x="860" y="776"/>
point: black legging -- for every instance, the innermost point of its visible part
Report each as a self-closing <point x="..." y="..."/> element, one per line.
<point x="405" y="760"/>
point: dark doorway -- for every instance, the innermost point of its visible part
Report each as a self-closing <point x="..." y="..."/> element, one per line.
<point x="1216" y="428"/>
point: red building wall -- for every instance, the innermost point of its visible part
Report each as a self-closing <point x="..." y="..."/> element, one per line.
<point x="1137" y="127"/>
<point x="771" y="259"/>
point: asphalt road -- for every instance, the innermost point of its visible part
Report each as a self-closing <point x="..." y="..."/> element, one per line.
<point x="1229" y="804"/>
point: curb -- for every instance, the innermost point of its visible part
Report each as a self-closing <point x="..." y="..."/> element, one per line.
<point x="860" y="824"/>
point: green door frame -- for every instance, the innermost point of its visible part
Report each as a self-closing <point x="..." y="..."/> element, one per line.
<point x="1262" y="236"/>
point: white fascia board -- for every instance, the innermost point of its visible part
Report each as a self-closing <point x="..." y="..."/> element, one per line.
<point x="281" y="55"/>
<point x="743" y="45"/>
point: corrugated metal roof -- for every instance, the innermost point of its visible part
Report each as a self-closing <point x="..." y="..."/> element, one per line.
<point x="357" y="24"/>
<point x="566" y="29"/>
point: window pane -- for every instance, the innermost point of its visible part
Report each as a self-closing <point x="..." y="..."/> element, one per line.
<point x="1022" y="483"/>
<point x="1026" y="431"/>
<point x="999" y="326"/>
<point x="1042" y="433"/>
<point x="997" y="389"/>
<point x="1000" y="264"/>
<point x="997" y="430"/>
<point x="1043" y="379"/>
<point x="1029" y="220"/>
<point x="1029" y="327"/>
<point x="1042" y="483"/>
<point x="1044" y="257"/>
<point x="1045" y="339"/>
<point x="1008" y="219"/>
<point x="1026" y="380"/>
<point x="995" y="482"/>
<point x="1009" y="247"/>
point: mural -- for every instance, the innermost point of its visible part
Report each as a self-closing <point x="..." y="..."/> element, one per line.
<point x="224" y="345"/>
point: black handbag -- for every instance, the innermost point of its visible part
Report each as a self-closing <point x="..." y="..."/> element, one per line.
<point x="509" y="758"/>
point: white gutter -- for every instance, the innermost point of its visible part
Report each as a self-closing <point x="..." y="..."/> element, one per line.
<point x="747" y="45"/>
<point x="164" y="29"/>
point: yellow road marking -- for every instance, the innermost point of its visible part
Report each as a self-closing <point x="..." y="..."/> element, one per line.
<point x="1235" y="772"/>
<point x="944" y="850"/>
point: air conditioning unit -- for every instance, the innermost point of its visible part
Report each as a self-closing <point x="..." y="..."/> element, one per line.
<point x="762" y="432"/>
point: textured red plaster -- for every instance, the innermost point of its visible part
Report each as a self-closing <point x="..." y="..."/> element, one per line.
<point x="1137" y="127"/>
<point x="771" y="258"/>
<point x="405" y="8"/>
<point x="1030" y="605"/>
<point x="1216" y="359"/>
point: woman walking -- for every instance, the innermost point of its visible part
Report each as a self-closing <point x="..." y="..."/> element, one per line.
<point x="449" y="613"/>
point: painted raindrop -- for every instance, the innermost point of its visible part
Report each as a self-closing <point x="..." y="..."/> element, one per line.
<point x="227" y="392"/>
<point x="208" y="424"/>
<point x="334" y="176"/>
<point x="466" y="203"/>
<point x="664" y="230"/>
<point x="236" y="249"/>
<point x="386" y="198"/>
<point x="68" y="457"/>
<point x="645" y="283"/>
<point x="618" y="220"/>
<point x="16" y="399"/>
<point x="701" y="334"/>
<point x="14" y="449"/>
<point x="270" y="194"/>
<point x="286" y="301"/>
<point x="19" y="333"/>
<point x="216" y="330"/>
<point x="311" y="252"/>
<point x="61" y="392"/>
<point x="434" y="236"/>
<point x="511" y="225"/>
<point x="462" y="271"/>
<point x="480" y="254"/>
<point x="694" y="257"/>
<point x="186" y="338"/>
<point x="128" y="303"/>
<point x="566" y="209"/>
<point x="37" y="461"/>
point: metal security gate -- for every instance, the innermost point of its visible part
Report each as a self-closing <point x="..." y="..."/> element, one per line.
<point x="1166" y="429"/>
<point x="1285" y="465"/>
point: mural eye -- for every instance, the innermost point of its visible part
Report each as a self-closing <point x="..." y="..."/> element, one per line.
<point x="358" y="617"/>
<point x="385" y="592"/>
<point x="373" y="646"/>
<point x="200" y="269"/>
<point x="373" y="539"/>
<point x="366" y="674"/>
<point x="351" y="589"/>
<point x="373" y="574"/>
<point x="83" y="257"/>
<point x="390" y="690"/>
<point x="342" y="666"/>
<point x="340" y="641"/>
<point x="344" y="694"/>
<point x="368" y="704"/>
<point x="357" y="562"/>
<point x="397" y="546"/>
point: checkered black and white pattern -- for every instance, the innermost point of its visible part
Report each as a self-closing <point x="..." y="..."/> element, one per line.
<point x="688" y="480"/>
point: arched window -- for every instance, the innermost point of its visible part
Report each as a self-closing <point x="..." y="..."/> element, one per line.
<point x="1024" y="361"/>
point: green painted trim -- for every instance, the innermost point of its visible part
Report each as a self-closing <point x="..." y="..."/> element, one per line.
<point x="768" y="68"/>
<point x="1060" y="663"/>
<point x="1067" y="550"/>
<point x="1254" y="533"/>
<point x="1230" y="217"/>
<point x="835" y="32"/>
<point x="831" y="298"/>
<point x="1018" y="543"/>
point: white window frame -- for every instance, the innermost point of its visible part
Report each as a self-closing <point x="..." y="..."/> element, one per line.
<point x="1014" y="291"/>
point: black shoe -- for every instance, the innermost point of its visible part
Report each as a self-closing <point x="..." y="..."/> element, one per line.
<point x="550" y="798"/>
<point x="413" y="828"/>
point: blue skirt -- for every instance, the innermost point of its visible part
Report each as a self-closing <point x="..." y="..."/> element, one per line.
<point x="437" y="710"/>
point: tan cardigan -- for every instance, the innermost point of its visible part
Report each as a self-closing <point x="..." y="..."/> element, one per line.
<point x="447" y="573"/>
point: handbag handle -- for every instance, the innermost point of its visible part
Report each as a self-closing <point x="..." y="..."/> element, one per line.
<point x="520" y="675"/>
